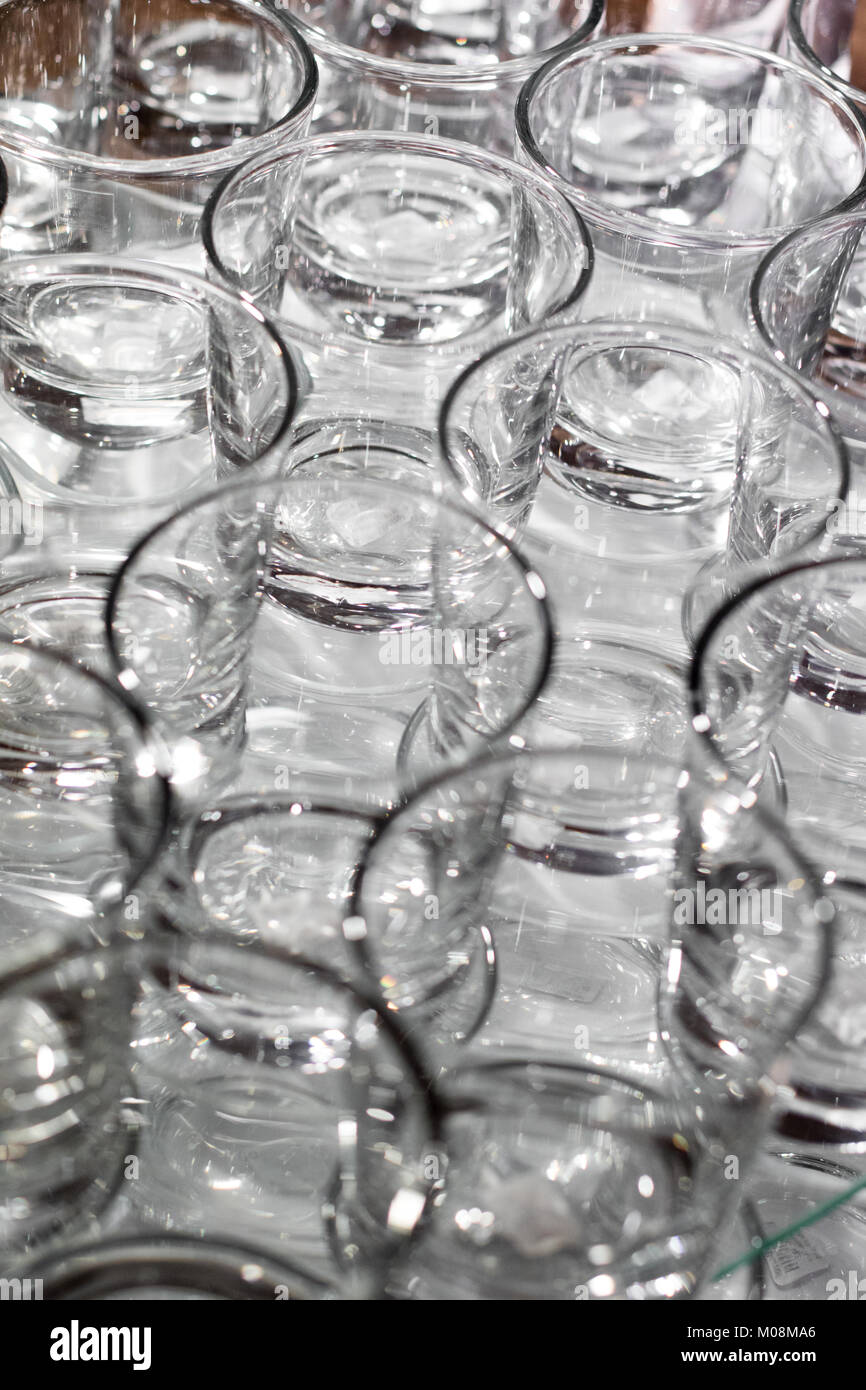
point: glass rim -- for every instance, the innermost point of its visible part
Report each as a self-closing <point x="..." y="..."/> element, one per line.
<point x="481" y="763"/>
<point x="651" y="334"/>
<point x="446" y="75"/>
<point x="50" y="948"/>
<point x="516" y="754"/>
<point x="577" y="1076"/>
<point x="166" y="940"/>
<point x="151" y="743"/>
<point x="835" y="220"/>
<point x="801" y="43"/>
<point x="143" y="1259"/>
<point x="174" y="283"/>
<point x="180" y="166"/>
<point x="532" y="582"/>
<point x="770" y="824"/>
<point x="222" y="814"/>
<point x="644" y="228"/>
<point x="458" y="152"/>
<point x="703" y="729"/>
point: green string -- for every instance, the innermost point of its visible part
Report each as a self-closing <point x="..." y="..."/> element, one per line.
<point x="787" y="1231"/>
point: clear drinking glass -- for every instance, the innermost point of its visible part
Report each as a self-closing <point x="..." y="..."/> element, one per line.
<point x="118" y="120"/>
<point x="778" y="673"/>
<point x="558" y="876"/>
<point x="565" y="1183"/>
<point x="522" y="903"/>
<point x="126" y="390"/>
<point x="452" y="70"/>
<point x="83" y="808"/>
<point x="375" y="630"/>
<point x="284" y="871"/>
<point x="276" y="1103"/>
<point x="389" y="262"/>
<point x="807" y="302"/>
<point x="66" y="997"/>
<point x="137" y="1267"/>
<point x="688" y="159"/>
<point x="630" y="458"/>
<point x="760" y="23"/>
<point x="828" y="35"/>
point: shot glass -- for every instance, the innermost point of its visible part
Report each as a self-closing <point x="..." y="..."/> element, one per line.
<point x="807" y="301"/>
<point x="750" y="959"/>
<point x="760" y="23"/>
<point x="828" y="38"/>
<point x="390" y="261"/>
<point x="331" y="632"/>
<point x="454" y="73"/>
<point x="66" y="1000"/>
<point x="521" y="904"/>
<point x="688" y="159"/>
<point x="126" y="390"/>
<point x="276" y="1103"/>
<point x="630" y="459"/>
<point x="83" y="808"/>
<point x="777" y="667"/>
<point x="117" y="122"/>
<point x="566" y="1183"/>
<point x="777" y="673"/>
<point x="564" y="875"/>
<point x="152" y="1267"/>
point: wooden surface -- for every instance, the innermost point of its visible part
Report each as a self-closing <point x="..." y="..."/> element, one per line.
<point x="858" y="46"/>
<point x="626" y="16"/>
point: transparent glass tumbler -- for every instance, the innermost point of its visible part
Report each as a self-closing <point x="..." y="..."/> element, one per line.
<point x="452" y="70"/>
<point x="566" y="1183"/>
<point x="688" y="158"/>
<point x="388" y="262"/>
<point x="118" y="120"/>
<point x="807" y="302"/>
<point x="277" y="1104"/>
<point x="561" y="877"/>
<point x="777" y="681"/>
<point x="631" y="458"/>
<point x="126" y="390"/>
<point x="374" y="629"/>
<point x="83" y="807"/>
<point x="66" y="1016"/>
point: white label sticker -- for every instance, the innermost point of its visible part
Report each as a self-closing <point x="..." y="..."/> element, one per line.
<point x="796" y="1260"/>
